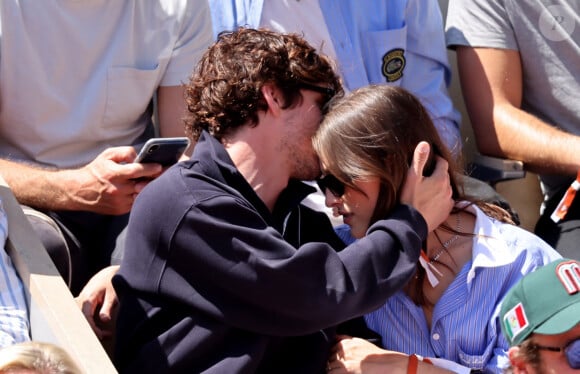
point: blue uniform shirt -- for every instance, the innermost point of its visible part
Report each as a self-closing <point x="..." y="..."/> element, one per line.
<point x="397" y="42"/>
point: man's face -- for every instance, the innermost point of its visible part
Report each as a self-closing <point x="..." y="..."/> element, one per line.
<point x="301" y="124"/>
<point x="550" y="361"/>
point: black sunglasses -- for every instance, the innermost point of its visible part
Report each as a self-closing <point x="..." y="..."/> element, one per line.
<point x="331" y="183"/>
<point x="327" y="92"/>
<point x="571" y="351"/>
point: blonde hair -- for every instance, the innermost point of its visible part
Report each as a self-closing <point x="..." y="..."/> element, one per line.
<point x="36" y="357"/>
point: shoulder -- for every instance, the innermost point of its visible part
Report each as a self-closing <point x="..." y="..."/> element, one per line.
<point x="478" y="23"/>
<point x="183" y="186"/>
<point x="523" y="242"/>
<point x="498" y="244"/>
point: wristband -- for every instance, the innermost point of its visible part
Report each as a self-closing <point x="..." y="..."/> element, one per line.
<point x="413" y="363"/>
<point x="562" y="209"/>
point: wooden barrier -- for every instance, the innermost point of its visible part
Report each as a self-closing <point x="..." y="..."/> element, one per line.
<point x="54" y="315"/>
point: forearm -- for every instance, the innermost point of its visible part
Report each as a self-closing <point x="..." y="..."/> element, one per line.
<point x="542" y="147"/>
<point x="358" y="356"/>
<point x="171" y="111"/>
<point x="39" y="187"/>
<point x="492" y="86"/>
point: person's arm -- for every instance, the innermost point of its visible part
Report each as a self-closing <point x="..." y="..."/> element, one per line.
<point x="170" y="111"/>
<point x="106" y="185"/>
<point x="491" y="81"/>
<point x="359" y="356"/>
<point x="193" y="38"/>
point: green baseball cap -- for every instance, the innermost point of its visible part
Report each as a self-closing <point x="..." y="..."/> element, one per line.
<point x="546" y="301"/>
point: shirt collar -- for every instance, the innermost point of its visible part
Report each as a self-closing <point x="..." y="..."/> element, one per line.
<point x="489" y="248"/>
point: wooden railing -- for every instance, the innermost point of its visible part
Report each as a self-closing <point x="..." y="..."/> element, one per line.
<point x="54" y="315"/>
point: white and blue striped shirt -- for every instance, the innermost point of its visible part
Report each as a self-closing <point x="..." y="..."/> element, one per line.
<point x="14" y="322"/>
<point x="465" y="325"/>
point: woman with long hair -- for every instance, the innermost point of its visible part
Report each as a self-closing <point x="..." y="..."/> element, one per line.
<point x="449" y="308"/>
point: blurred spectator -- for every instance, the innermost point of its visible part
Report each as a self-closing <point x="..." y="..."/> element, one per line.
<point x="519" y="63"/>
<point x="14" y="323"/>
<point x="77" y="83"/>
<point x="540" y="317"/>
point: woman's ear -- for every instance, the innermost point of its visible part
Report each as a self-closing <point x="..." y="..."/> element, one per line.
<point x="273" y="98"/>
<point x="517" y="362"/>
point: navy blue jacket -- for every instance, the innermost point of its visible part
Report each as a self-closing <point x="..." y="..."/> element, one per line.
<point x="214" y="282"/>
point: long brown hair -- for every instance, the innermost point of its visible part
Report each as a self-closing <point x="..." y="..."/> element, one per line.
<point x="374" y="132"/>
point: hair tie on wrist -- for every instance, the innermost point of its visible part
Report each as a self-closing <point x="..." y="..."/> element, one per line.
<point x="413" y="364"/>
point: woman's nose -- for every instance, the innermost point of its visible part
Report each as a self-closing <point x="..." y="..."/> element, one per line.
<point x="330" y="199"/>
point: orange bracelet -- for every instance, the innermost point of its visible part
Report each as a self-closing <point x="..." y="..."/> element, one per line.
<point x="413" y="364"/>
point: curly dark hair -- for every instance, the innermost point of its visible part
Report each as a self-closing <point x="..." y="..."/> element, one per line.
<point x="224" y="91"/>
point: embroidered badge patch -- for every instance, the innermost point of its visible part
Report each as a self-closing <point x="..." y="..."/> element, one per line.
<point x="569" y="275"/>
<point x="393" y="64"/>
<point x="515" y="320"/>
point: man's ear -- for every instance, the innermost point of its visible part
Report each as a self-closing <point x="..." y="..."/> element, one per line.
<point x="273" y="97"/>
<point x="518" y="363"/>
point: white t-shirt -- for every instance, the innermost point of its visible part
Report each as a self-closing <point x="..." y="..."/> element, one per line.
<point x="307" y="17"/>
<point x="77" y="77"/>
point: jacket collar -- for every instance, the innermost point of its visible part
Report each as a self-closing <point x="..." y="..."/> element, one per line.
<point x="215" y="163"/>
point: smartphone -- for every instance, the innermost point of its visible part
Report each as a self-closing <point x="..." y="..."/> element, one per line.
<point x="164" y="151"/>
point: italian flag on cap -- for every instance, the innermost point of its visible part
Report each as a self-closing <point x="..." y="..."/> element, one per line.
<point x="515" y="321"/>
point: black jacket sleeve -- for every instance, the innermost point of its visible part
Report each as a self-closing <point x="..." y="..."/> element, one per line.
<point x="220" y="258"/>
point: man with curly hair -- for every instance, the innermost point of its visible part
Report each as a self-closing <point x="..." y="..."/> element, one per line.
<point x="224" y="270"/>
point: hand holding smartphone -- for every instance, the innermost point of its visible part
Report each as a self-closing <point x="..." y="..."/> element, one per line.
<point x="164" y="151"/>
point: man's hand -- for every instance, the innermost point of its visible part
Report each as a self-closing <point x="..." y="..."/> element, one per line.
<point x="107" y="185"/>
<point x="431" y="196"/>
<point x="98" y="302"/>
<point x="110" y="183"/>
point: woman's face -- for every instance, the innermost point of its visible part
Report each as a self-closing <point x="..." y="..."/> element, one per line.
<point x="356" y="207"/>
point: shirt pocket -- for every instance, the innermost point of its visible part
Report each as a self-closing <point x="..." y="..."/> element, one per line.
<point x="385" y="55"/>
<point x="475" y="361"/>
<point x="129" y="93"/>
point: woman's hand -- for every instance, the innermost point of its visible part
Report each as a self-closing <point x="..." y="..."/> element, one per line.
<point x="356" y="356"/>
